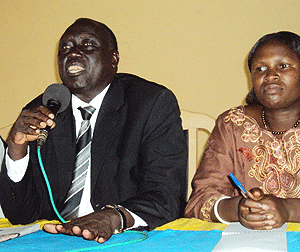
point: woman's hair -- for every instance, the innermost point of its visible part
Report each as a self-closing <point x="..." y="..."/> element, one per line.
<point x="290" y="39"/>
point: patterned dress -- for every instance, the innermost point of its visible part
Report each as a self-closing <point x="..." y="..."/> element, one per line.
<point x="257" y="158"/>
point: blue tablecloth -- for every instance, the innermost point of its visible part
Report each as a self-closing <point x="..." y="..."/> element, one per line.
<point x="168" y="240"/>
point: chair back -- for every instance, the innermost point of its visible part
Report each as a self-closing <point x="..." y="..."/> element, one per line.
<point x="194" y="122"/>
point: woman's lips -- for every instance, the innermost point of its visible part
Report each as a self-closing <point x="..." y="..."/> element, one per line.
<point x="272" y="88"/>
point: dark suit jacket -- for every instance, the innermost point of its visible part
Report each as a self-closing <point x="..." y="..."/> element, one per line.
<point x="139" y="158"/>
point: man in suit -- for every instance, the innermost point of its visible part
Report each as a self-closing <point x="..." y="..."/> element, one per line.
<point x="138" y="156"/>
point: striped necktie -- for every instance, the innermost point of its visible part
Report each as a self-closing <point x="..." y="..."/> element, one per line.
<point x="83" y="150"/>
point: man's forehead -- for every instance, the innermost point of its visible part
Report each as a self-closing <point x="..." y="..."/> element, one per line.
<point x="84" y="27"/>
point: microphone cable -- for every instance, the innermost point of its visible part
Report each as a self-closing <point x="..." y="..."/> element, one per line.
<point x="145" y="235"/>
<point x="48" y="185"/>
<point x="103" y="246"/>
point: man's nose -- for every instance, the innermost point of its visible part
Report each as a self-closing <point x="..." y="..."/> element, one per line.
<point x="75" y="52"/>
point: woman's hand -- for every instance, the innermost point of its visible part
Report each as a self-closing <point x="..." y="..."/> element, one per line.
<point x="262" y="211"/>
<point x="277" y="209"/>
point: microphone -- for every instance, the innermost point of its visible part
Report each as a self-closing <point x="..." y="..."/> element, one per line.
<point x="57" y="98"/>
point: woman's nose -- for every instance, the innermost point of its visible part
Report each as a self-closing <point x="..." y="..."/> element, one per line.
<point x="272" y="74"/>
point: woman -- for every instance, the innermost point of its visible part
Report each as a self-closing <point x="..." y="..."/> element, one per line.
<point x="259" y="143"/>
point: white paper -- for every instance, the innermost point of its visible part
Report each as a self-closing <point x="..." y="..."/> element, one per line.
<point x="14" y="232"/>
<point x="238" y="238"/>
<point x="2" y="152"/>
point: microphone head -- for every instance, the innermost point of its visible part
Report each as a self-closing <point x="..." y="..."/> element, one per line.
<point x="57" y="96"/>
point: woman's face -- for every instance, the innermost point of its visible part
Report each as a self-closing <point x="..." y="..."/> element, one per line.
<point x="275" y="73"/>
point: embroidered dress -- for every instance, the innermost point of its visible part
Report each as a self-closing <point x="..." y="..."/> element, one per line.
<point x="257" y="158"/>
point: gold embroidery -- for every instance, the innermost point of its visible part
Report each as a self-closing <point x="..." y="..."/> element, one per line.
<point x="276" y="162"/>
<point x="236" y="115"/>
<point x="207" y="207"/>
<point x="251" y="132"/>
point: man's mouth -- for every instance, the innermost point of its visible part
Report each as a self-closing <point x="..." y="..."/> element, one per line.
<point x="74" y="69"/>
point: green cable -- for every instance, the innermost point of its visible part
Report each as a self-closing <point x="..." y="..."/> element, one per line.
<point x="48" y="186"/>
<point x="115" y="244"/>
<point x="63" y="221"/>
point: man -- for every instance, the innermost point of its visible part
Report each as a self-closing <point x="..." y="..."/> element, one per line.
<point x="138" y="154"/>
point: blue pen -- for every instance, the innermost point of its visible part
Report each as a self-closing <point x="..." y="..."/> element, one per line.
<point x="239" y="185"/>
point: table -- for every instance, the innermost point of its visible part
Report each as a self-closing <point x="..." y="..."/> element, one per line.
<point x="194" y="235"/>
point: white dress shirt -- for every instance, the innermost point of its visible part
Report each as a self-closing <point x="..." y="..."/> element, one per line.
<point x="16" y="169"/>
<point x="2" y="153"/>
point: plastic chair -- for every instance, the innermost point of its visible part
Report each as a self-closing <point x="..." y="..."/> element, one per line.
<point x="192" y="122"/>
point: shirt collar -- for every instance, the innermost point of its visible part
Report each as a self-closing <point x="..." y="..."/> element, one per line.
<point x="96" y="102"/>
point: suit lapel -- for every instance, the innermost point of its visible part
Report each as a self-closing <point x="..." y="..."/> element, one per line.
<point x="108" y="124"/>
<point x="64" y="142"/>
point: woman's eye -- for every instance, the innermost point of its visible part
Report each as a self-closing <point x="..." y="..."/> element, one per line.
<point x="261" y="68"/>
<point x="284" y="66"/>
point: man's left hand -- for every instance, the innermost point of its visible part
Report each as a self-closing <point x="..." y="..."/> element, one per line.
<point x="98" y="226"/>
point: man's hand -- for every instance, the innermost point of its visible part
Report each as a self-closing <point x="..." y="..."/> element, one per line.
<point x="27" y="128"/>
<point x="98" y="226"/>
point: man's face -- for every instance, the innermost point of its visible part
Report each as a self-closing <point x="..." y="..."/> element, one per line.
<point x="86" y="63"/>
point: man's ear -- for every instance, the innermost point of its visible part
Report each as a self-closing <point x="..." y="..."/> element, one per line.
<point x="115" y="60"/>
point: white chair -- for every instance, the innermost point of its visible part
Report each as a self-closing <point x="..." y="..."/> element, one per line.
<point x="193" y="122"/>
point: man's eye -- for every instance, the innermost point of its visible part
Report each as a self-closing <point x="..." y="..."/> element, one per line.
<point x="66" y="48"/>
<point x="88" y="44"/>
